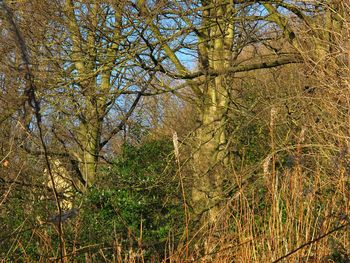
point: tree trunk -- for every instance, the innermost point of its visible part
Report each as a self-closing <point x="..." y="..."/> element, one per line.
<point x="210" y="156"/>
<point x="90" y="152"/>
<point x="209" y="162"/>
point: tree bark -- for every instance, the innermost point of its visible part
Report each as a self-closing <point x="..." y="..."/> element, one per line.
<point x="210" y="157"/>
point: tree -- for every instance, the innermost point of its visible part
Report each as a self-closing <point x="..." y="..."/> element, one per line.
<point x="214" y="34"/>
<point x="79" y="69"/>
<point x="80" y="55"/>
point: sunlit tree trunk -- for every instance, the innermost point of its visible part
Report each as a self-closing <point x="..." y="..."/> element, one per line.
<point x="210" y="152"/>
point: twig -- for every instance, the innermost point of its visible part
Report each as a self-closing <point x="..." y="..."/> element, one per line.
<point x="35" y="104"/>
<point x="312" y="241"/>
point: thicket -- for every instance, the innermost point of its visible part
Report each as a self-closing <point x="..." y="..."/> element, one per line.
<point x="174" y="131"/>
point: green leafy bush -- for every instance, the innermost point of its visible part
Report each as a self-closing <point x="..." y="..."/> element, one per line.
<point x="136" y="193"/>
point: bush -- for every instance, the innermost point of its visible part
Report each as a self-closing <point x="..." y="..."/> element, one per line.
<point x="137" y="187"/>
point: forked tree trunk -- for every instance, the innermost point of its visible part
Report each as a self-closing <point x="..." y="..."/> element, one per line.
<point x="92" y="85"/>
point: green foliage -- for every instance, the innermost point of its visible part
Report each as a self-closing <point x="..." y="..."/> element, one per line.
<point x="135" y="193"/>
<point x="253" y="143"/>
<point x="17" y="215"/>
<point x="137" y="188"/>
